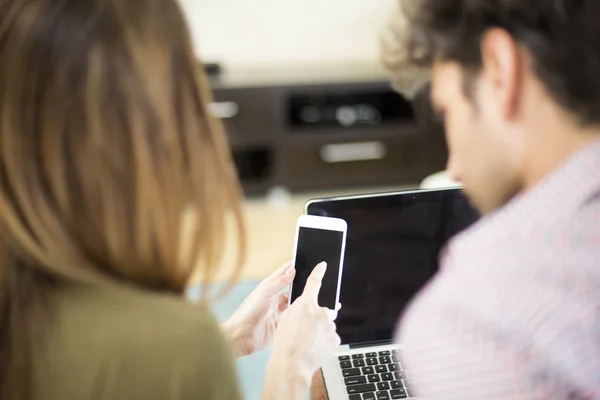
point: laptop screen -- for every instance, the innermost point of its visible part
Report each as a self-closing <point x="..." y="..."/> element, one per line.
<point x="393" y="248"/>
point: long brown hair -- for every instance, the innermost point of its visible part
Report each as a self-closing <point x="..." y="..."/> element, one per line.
<point x="106" y="143"/>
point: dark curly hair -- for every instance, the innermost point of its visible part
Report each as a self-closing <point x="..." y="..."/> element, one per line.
<point x="563" y="37"/>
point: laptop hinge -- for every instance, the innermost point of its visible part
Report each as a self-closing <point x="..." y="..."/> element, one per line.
<point x="370" y="344"/>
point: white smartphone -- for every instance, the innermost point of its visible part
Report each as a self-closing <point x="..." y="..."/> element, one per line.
<point x="320" y="239"/>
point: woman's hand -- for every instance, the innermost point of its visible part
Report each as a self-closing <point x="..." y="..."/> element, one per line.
<point x="252" y="327"/>
<point x="306" y="338"/>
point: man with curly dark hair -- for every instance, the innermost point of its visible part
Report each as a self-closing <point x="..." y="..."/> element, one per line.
<point x="514" y="312"/>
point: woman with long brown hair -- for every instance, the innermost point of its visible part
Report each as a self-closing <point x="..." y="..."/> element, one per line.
<point x="116" y="186"/>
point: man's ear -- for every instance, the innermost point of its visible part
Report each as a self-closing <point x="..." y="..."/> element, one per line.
<point x="502" y="67"/>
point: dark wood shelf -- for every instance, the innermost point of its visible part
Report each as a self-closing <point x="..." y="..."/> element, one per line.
<point x="272" y="151"/>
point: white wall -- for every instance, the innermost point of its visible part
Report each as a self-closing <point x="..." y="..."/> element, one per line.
<point x="251" y="34"/>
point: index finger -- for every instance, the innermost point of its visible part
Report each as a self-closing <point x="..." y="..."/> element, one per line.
<point x="313" y="284"/>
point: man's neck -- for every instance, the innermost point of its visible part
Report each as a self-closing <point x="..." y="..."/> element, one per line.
<point x="553" y="150"/>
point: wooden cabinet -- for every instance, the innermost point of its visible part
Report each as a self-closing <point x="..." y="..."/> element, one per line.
<point x="249" y="115"/>
<point x="306" y="134"/>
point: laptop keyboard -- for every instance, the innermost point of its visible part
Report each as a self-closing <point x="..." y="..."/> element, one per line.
<point x="375" y="376"/>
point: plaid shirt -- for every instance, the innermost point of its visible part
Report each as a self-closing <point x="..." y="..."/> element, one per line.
<point x="514" y="312"/>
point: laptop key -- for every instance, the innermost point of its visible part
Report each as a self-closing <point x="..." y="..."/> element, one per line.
<point x="373" y="378"/>
<point x="355" y="397"/>
<point x="383" y="395"/>
<point x="393" y="367"/>
<point x="355" y="380"/>
<point x="385" y="360"/>
<point x="368" y="387"/>
<point x="369" y="396"/>
<point x="387" y="376"/>
<point x="381" y="369"/>
<point x="343" y="358"/>
<point x="369" y="355"/>
<point x="384" y="353"/>
<point x="357" y="356"/>
<point x="372" y="361"/>
<point x="383" y="386"/>
<point x="399" y="375"/>
<point x="345" y="364"/>
<point x="358" y="363"/>
<point x="398" y="394"/>
<point x="395" y="359"/>
<point x="350" y="372"/>
<point x="396" y="385"/>
<point x="368" y="371"/>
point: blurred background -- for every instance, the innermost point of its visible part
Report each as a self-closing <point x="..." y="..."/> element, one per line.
<point x="309" y="112"/>
<point x="268" y="34"/>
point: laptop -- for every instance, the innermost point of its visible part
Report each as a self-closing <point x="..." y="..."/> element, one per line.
<point x="393" y="248"/>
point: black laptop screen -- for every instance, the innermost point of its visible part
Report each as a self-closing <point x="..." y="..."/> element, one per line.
<point x="393" y="248"/>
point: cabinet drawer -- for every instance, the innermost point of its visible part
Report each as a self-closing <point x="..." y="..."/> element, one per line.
<point x="247" y="114"/>
<point x="332" y="164"/>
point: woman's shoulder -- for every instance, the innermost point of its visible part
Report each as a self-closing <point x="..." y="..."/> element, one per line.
<point x="128" y="312"/>
<point x="132" y="342"/>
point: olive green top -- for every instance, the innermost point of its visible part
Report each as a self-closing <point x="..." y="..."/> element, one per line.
<point x="128" y="344"/>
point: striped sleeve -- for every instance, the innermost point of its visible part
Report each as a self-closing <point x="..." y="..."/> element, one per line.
<point x="502" y="325"/>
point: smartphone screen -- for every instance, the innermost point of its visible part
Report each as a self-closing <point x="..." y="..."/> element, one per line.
<point x="315" y="246"/>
